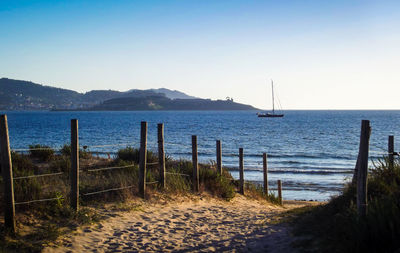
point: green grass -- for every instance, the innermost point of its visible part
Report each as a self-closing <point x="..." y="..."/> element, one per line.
<point x="336" y="226"/>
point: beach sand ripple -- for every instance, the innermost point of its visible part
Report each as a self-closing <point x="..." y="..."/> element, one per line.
<point x="201" y="225"/>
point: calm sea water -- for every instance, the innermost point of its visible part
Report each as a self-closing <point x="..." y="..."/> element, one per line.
<point x="312" y="152"/>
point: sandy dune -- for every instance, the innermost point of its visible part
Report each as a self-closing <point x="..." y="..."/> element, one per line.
<point x="201" y="225"/>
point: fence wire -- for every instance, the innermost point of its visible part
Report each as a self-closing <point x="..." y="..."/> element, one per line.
<point x="149" y="164"/>
<point x="33" y="149"/>
<point x="130" y="144"/>
<point x="41" y="175"/>
<point x="153" y="182"/>
<point x="178" y="144"/>
<point x="37" y="200"/>
<point x="107" y="190"/>
<point x="383" y="150"/>
<point x="109" y="168"/>
<point x="176" y="173"/>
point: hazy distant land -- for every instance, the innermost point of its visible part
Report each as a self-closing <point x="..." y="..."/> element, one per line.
<point x="25" y="95"/>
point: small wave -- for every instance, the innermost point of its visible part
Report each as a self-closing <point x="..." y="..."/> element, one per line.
<point x="299" y="171"/>
<point x="299" y="186"/>
<point x="317" y="172"/>
<point x="321" y="156"/>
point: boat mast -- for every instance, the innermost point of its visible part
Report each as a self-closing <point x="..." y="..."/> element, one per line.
<point x="273" y="102"/>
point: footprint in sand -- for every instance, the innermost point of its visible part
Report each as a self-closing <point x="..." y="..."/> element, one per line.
<point x="138" y="224"/>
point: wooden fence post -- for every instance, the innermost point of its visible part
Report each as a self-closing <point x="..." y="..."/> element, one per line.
<point x="143" y="159"/>
<point x="219" y="157"/>
<point x="390" y="151"/>
<point x="6" y="167"/>
<point x="241" y="172"/>
<point x="265" y="170"/>
<point x="280" y="191"/>
<point x="196" y="182"/>
<point x="161" y="154"/>
<point x="362" y="171"/>
<point x="74" y="175"/>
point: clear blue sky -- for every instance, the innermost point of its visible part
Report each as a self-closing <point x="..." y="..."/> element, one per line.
<point x="321" y="54"/>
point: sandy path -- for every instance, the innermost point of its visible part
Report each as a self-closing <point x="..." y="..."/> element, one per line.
<point x="204" y="225"/>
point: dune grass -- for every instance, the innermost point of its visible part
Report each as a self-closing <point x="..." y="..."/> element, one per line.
<point x="336" y="226"/>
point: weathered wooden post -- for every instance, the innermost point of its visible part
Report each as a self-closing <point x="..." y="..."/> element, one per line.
<point x="391" y="151"/>
<point x="161" y="154"/>
<point x="219" y="157"/>
<point x="6" y="167"/>
<point x="74" y="174"/>
<point x="196" y="182"/>
<point x="280" y="192"/>
<point x="362" y="171"/>
<point x="241" y="172"/>
<point x="265" y="170"/>
<point x="143" y="159"/>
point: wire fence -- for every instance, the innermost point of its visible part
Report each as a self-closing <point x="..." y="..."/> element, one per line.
<point x="37" y="201"/>
<point x="108" y="190"/>
<point x="34" y="149"/>
<point x="206" y="150"/>
<point x="179" y="174"/>
<point x="41" y="175"/>
<point x="110" y="168"/>
<point x="153" y="182"/>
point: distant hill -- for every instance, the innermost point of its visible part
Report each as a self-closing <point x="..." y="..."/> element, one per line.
<point x="173" y="94"/>
<point x="160" y="102"/>
<point x="25" y="95"/>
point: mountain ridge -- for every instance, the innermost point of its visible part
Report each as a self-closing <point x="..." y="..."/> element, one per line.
<point x="27" y="95"/>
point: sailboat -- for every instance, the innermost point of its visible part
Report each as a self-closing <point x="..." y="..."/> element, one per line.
<point x="271" y="114"/>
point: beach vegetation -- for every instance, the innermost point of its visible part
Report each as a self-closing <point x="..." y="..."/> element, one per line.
<point x="102" y="181"/>
<point x="42" y="152"/>
<point x="66" y="151"/>
<point x="133" y="155"/>
<point x="218" y="185"/>
<point x="337" y="227"/>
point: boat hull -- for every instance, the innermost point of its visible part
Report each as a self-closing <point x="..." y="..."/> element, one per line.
<point x="269" y="115"/>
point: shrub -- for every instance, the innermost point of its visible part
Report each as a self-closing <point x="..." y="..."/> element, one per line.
<point x="133" y="154"/>
<point x="128" y="154"/>
<point x="66" y="151"/>
<point x="27" y="189"/>
<point x="338" y="228"/>
<point x="43" y="153"/>
<point x="215" y="183"/>
<point x="22" y="165"/>
<point x="61" y="165"/>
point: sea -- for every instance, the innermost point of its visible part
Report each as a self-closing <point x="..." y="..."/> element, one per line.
<point x="312" y="152"/>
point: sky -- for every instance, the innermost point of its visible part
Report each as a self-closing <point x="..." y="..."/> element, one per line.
<point x="320" y="54"/>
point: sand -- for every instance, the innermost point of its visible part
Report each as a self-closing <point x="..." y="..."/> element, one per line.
<point x="187" y="225"/>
